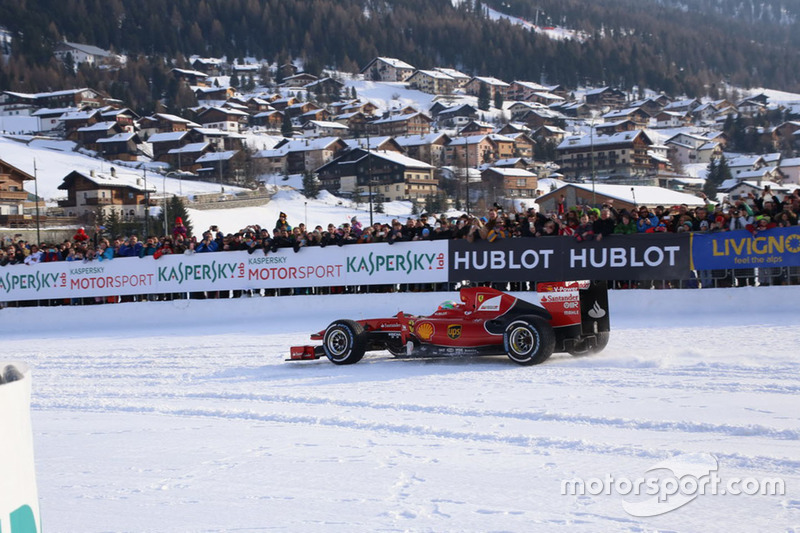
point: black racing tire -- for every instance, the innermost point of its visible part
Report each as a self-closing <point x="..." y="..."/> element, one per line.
<point x="579" y="349"/>
<point x="529" y="340"/>
<point x="344" y="342"/>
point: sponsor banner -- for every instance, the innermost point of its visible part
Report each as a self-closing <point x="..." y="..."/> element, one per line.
<point x="363" y="264"/>
<point x="616" y="257"/>
<point x="777" y="247"/>
<point x="19" y="500"/>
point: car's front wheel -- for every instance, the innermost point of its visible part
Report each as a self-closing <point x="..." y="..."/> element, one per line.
<point x="344" y="342"/>
<point x="529" y="340"/>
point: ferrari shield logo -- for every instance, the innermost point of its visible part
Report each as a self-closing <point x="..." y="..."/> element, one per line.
<point x="454" y="331"/>
<point x="480" y="298"/>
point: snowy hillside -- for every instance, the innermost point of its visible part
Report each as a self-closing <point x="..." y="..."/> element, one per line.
<point x="183" y="416"/>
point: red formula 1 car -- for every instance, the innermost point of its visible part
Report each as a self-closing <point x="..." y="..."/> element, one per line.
<point x="570" y="317"/>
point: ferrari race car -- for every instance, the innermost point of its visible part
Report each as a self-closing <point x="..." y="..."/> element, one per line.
<point x="568" y="317"/>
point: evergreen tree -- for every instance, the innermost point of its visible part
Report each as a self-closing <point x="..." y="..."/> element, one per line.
<point x="483" y="97"/>
<point x="379" y="208"/>
<point x="498" y="99"/>
<point x="310" y="185"/>
<point x="286" y="127"/>
<point x="234" y="81"/>
<point x="357" y="196"/>
<point x="177" y="209"/>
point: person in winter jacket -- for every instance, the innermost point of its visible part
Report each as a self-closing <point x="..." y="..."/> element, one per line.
<point x="49" y="254"/>
<point x="281" y="223"/>
<point x="739" y="219"/>
<point x="585" y="230"/>
<point x="105" y="252"/>
<point x="164" y="249"/>
<point x="179" y="230"/>
<point x="647" y="221"/>
<point x="131" y="247"/>
<point x="626" y="226"/>
<point x="208" y="244"/>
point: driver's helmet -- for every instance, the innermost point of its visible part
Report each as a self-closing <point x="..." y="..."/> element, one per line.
<point x="448" y="304"/>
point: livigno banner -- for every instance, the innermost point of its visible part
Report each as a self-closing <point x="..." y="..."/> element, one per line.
<point x="373" y="264"/>
<point x="616" y="257"/>
<point x="777" y="247"/>
<point x="19" y="501"/>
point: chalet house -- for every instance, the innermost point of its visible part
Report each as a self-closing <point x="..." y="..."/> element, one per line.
<point x="222" y="167"/>
<point x="493" y="85"/>
<point x="185" y="157"/>
<point x="392" y="176"/>
<point x="299" y="80"/>
<point x="671" y="119"/>
<point x="356" y="122"/>
<point x="609" y="128"/>
<point x="246" y="70"/>
<point x="286" y="70"/>
<point x="205" y="94"/>
<point x="623" y="196"/>
<point x="223" y="119"/>
<point x="509" y="183"/>
<point x="605" y="96"/>
<point x="268" y="119"/>
<point x="90" y="192"/>
<point x="430" y="148"/>
<point x="123" y="146"/>
<point x="50" y="119"/>
<point x="741" y="189"/>
<point x="162" y="143"/>
<point x="257" y="105"/>
<point x="536" y="118"/>
<point x="470" y="151"/>
<point x="368" y="108"/>
<point x="386" y="143"/>
<point x="547" y="134"/>
<point x="634" y="114"/>
<point x="504" y="147"/>
<point x="218" y="139"/>
<point x="514" y="127"/>
<point x="82" y="53"/>
<point x="652" y="105"/>
<point x="783" y="136"/>
<point x="191" y="77"/>
<point x="431" y="82"/>
<point x="210" y="65"/>
<point x="704" y="112"/>
<point x="272" y="161"/>
<point x="387" y="69"/>
<point x="163" y="123"/>
<point x="743" y="164"/>
<point x="324" y="128"/>
<point x="407" y="124"/>
<point x="683" y="106"/>
<point x="77" y="119"/>
<point x="13" y="195"/>
<point x="282" y="103"/>
<point x="308" y="154"/>
<point x="88" y="136"/>
<point x="523" y="91"/>
<point x="235" y="103"/>
<point x="693" y="153"/>
<point x="573" y="109"/>
<point x="125" y="117"/>
<point x="321" y="114"/>
<point x="790" y="168"/>
<point x="476" y="127"/>
<point x="299" y="108"/>
<point x="459" y="78"/>
<point x="523" y="144"/>
<point x="325" y="87"/>
<point x="621" y="155"/>
<point x="25" y="103"/>
<point x="518" y="109"/>
<point x="457" y="116"/>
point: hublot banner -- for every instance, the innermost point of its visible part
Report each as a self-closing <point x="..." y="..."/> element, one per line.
<point x="616" y="257"/>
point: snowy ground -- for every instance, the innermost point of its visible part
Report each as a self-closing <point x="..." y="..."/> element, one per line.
<point x="182" y="416"/>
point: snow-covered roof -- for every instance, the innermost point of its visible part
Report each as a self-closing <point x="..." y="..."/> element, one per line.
<point x="439" y="75"/>
<point x="115" y="179"/>
<point x="642" y="194"/>
<point x="79" y="115"/>
<point x="58" y="111"/>
<point x="586" y="141"/>
<point x="189" y="148"/>
<point x="396" y="63"/>
<point x="167" y="136"/>
<point x="326" y="124"/>
<point x="88" y="49"/>
<point x="400" y="159"/>
<point x="216" y="156"/>
<point x="512" y="172"/>
<point x="398" y="118"/>
<point x="453" y="73"/>
<point x="418" y="140"/>
<point x="227" y="111"/>
<point x="760" y="173"/>
<point x="790" y="162"/>
<point x="119" y="137"/>
<point x="305" y="144"/>
<point x="361" y="142"/>
<point x="99" y="126"/>
<point x="491" y="81"/>
<point x="190" y="72"/>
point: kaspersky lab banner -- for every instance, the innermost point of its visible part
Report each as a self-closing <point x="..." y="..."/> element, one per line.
<point x="776" y="247"/>
<point x="332" y="266"/>
<point x="616" y="257"/>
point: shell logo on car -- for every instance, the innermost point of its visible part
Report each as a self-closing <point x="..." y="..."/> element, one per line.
<point x="425" y="330"/>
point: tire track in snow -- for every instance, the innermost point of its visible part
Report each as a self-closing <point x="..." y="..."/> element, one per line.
<point x="539" y="444"/>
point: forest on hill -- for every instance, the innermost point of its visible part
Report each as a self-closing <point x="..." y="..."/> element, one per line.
<point x="692" y="47"/>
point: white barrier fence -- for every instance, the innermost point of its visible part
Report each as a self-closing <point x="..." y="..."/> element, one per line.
<point x="332" y="266"/>
<point x="19" y="501"/>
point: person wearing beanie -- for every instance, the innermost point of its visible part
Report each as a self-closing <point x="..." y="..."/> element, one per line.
<point x="179" y="229"/>
<point x="282" y="224"/>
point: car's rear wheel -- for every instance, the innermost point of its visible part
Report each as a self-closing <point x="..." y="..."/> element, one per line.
<point x="529" y="340"/>
<point x="344" y="342"/>
<point x="581" y="347"/>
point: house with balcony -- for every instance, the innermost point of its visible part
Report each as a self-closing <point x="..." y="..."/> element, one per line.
<point x="621" y="156"/>
<point x="414" y="123"/>
<point x="387" y="69"/>
<point x="91" y="192"/>
<point x="13" y="196"/>
<point x="431" y="82"/>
